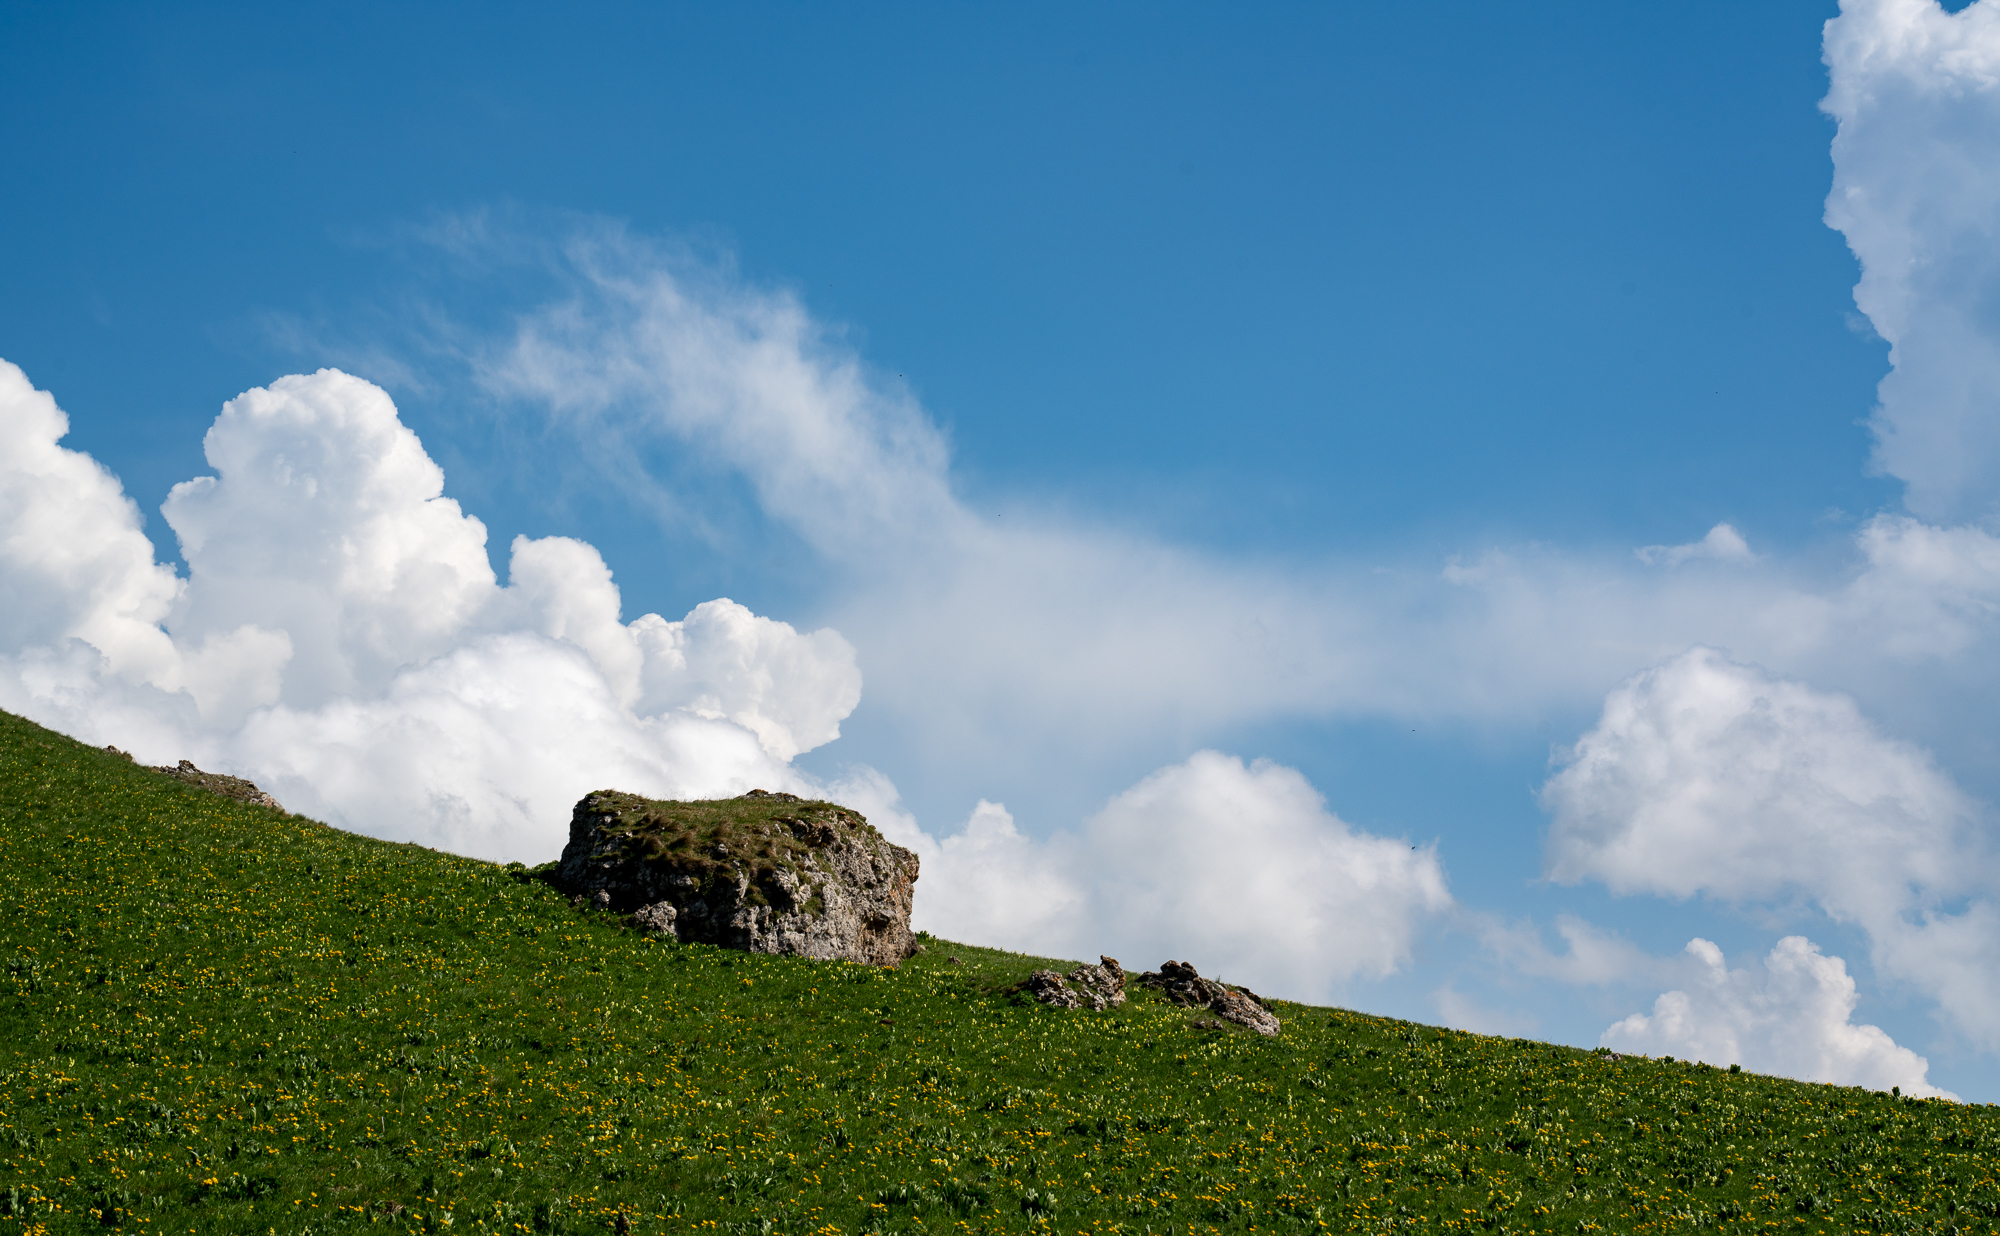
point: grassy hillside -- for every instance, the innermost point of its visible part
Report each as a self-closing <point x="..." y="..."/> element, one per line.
<point x="222" y="1019"/>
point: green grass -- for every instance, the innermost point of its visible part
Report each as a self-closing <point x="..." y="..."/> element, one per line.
<point x="222" y="1019"/>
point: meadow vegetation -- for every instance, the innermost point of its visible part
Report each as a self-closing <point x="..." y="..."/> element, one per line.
<point x="220" y="1018"/>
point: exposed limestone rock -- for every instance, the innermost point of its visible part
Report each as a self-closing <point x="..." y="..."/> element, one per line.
<point x="1099" y="987"/>
<point x="1047" y="987"/>
<point x="215" y="783"/>
<point x="1178" y="982"/>
<point x="767" y="872"/>
<point x="1102" y="985"/>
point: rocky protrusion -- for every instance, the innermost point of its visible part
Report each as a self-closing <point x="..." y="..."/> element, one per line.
<point x="1179" y="984"/>
<point x="216" y="783"/>
<point x="1099" y="987"/>
<point x="1047" y="987"/>
<point x="1102" y="985"/>
<point x="768" y="872"/>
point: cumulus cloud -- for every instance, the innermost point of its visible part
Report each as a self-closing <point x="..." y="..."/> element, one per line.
<point x="1234" y="867"/>
<point x="1704" y="776"/>
<point x="1791" y="1014"/>
<point x="74" y="558"/>
<point x="1246" y="859"/>
<point x="342" y="638"/>
<point x="790" y="690"/>
<point x="989" y="882"/>
<point x="1916" y="191"/>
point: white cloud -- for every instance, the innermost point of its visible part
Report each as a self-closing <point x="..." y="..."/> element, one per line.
<point x="342" y="639"/>
<point x="748" y="376"/>
<point x="1791" y="1015"/>
<point x="484" y="750"/>
<point x="1952" y="957"/>
<point x="326" y="521"/>
<point x="1927" y="594"/>
<point x="1723" y="544"/>
<point x="1707" y="776"/>
<point x="1704" y="776"/>
<point x="74" y="560"/>
<point x="1245" y="860"/>
<point x="990" y="883"/>
<point x="1239" y="869"/>
<point x="790" y="690"/>
<point x="1916" y="191"/>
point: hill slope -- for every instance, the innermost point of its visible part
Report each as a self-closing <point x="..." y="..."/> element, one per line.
<point x="219" y="1018"/>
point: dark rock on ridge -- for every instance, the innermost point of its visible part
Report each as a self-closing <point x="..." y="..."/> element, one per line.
<point x="767" y="872"/>
<point x="1179" y="984"/>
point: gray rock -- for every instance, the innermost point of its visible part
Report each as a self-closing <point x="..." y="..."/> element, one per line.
<point x="1099" y="987"/>
<point x="766" y="872"/>
<point x="1102" y="985"/>
<point x="1179" y="984"/>
<point x="1047" y="987"/>
<point x="215" y="783"/>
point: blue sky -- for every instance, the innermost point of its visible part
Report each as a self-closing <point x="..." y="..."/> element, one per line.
<point x="1411" y="276"/>
<point x="1276" y="334"/>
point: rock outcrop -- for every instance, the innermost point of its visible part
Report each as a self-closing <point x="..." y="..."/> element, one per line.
<point x="1179" y="984"/>
<point x="215" y="783"/>
<point x="771" y="873"/>
<point x="1100" y="987"/>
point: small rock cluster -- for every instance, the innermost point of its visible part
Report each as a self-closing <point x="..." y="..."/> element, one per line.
<point x="1099" y="987"/>
<point x="215" y="783"/>
<point x="1102" y="986"/>
<point x="1179" y="984"/>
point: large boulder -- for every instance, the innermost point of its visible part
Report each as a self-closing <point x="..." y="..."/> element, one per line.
<point x="771" y="873"/>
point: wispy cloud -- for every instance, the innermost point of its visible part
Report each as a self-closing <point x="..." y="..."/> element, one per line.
<point x="1078" y="635"/>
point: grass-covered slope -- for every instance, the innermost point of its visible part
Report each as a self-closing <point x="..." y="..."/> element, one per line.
<point x="222" y="1019"/>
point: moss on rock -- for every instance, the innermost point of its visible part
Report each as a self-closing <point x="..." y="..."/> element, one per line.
<point x="764" y="871"/>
